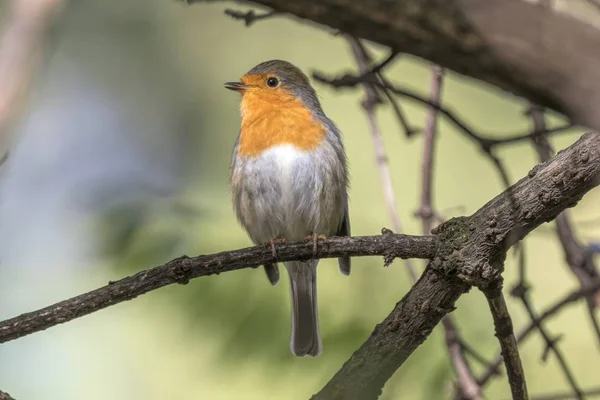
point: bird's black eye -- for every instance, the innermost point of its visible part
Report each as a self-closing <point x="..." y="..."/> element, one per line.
<point x="272" y="82"/>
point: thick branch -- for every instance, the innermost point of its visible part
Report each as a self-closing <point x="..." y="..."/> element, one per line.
<point x="521" y="290"/>
<point x="393" y="341"/>
<point x="182" y="269"/>
<point x="471" y="249"/>
<point x="467" y="385"/>
<point x="467" y="251"/>
<point x="543" y="55"/>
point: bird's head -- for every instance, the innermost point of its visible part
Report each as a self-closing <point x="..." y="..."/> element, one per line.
<point x="275" y="83"/>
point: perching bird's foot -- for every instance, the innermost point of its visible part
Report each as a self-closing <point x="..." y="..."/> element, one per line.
<point x="315" y="238"/>
<point x="273" y="242"/>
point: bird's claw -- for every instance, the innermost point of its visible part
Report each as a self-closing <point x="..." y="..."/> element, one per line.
<point x="315" y="238"/>
<point x="273" y="242"/>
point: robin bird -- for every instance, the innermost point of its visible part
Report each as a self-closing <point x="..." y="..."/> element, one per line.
<point x="289" y="181"/>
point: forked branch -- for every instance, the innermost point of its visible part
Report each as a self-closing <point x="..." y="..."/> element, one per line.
<point x="471" y="251"/>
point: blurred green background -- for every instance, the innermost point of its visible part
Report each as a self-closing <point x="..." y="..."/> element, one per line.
<point x="121" y="163"/>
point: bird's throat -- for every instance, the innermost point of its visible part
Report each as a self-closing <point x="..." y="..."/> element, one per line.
<point x="266" y="124"/>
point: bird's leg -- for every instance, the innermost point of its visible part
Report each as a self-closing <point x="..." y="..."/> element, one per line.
<point x="315" y="238"/>
<point x="273" y="242"/>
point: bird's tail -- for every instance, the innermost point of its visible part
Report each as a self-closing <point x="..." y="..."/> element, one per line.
<point x="306" y="339"/>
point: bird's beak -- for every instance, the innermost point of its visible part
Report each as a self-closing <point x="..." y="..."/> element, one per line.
<point x="236" y="86"/>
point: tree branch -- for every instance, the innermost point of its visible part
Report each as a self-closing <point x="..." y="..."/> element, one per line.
<point x="184" y="268"/>
<point x="508" y="342"/>
<point x="542" y="55"/>
<point x="560" y="305"/>
<point x="548" y="313"/>
<point x="468" y="385"/>
<point x="579" y="262"/>
<point x="426" y="212"/>
<point x="393" y="341"/>
<point x="249" y="17"/>
<point x="466" y="251"/>
<point x="576" y="256"/>
<point x="369" y="104"/>
<point x="471" y="251"/>
<point x="486" y="141"/>
<point x="567" y="396"/>
<point x="521" y="291"/>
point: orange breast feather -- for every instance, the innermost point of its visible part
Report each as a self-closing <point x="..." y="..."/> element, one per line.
<point x="271" y="118"/>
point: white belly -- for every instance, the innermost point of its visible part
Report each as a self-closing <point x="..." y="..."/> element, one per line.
<point x="286" y="159"/>
<point x="287" y="192"/>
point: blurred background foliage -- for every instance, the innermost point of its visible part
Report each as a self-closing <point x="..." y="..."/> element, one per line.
<point x="120" y="163"/>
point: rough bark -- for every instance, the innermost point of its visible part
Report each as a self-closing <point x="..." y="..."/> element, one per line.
<point x="464" y="252"/>
<point x="543" y="55"/>
<point x="184" y="268"/>
<point x="471" y="251"/>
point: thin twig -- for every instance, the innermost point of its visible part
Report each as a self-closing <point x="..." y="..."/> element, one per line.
<point x="486" y="142"/>
<point x="508" y="343"/>
<point x="377" y="69"/>
<point x="428" y="301"/>
<point x="475" y="355"/>
<point x="572" y="248"/>
<point x="406" y="127"/>
<point x="469" y="388"/>
<point x="594" y="392"/>
<point x="550" y="312"/>
<point x="364" y="374"/>
<point x="426" y="212"/>
<point x="581" y="265"/>
<point x="551" y="346"/>
<point x="521" y="291"/>
<point x="249" y="17"/>
<point x="369" y="104"/>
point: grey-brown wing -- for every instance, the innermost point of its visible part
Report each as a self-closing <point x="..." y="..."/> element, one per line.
<point x="272" y="271"/>
<point x="233" y="153"/>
